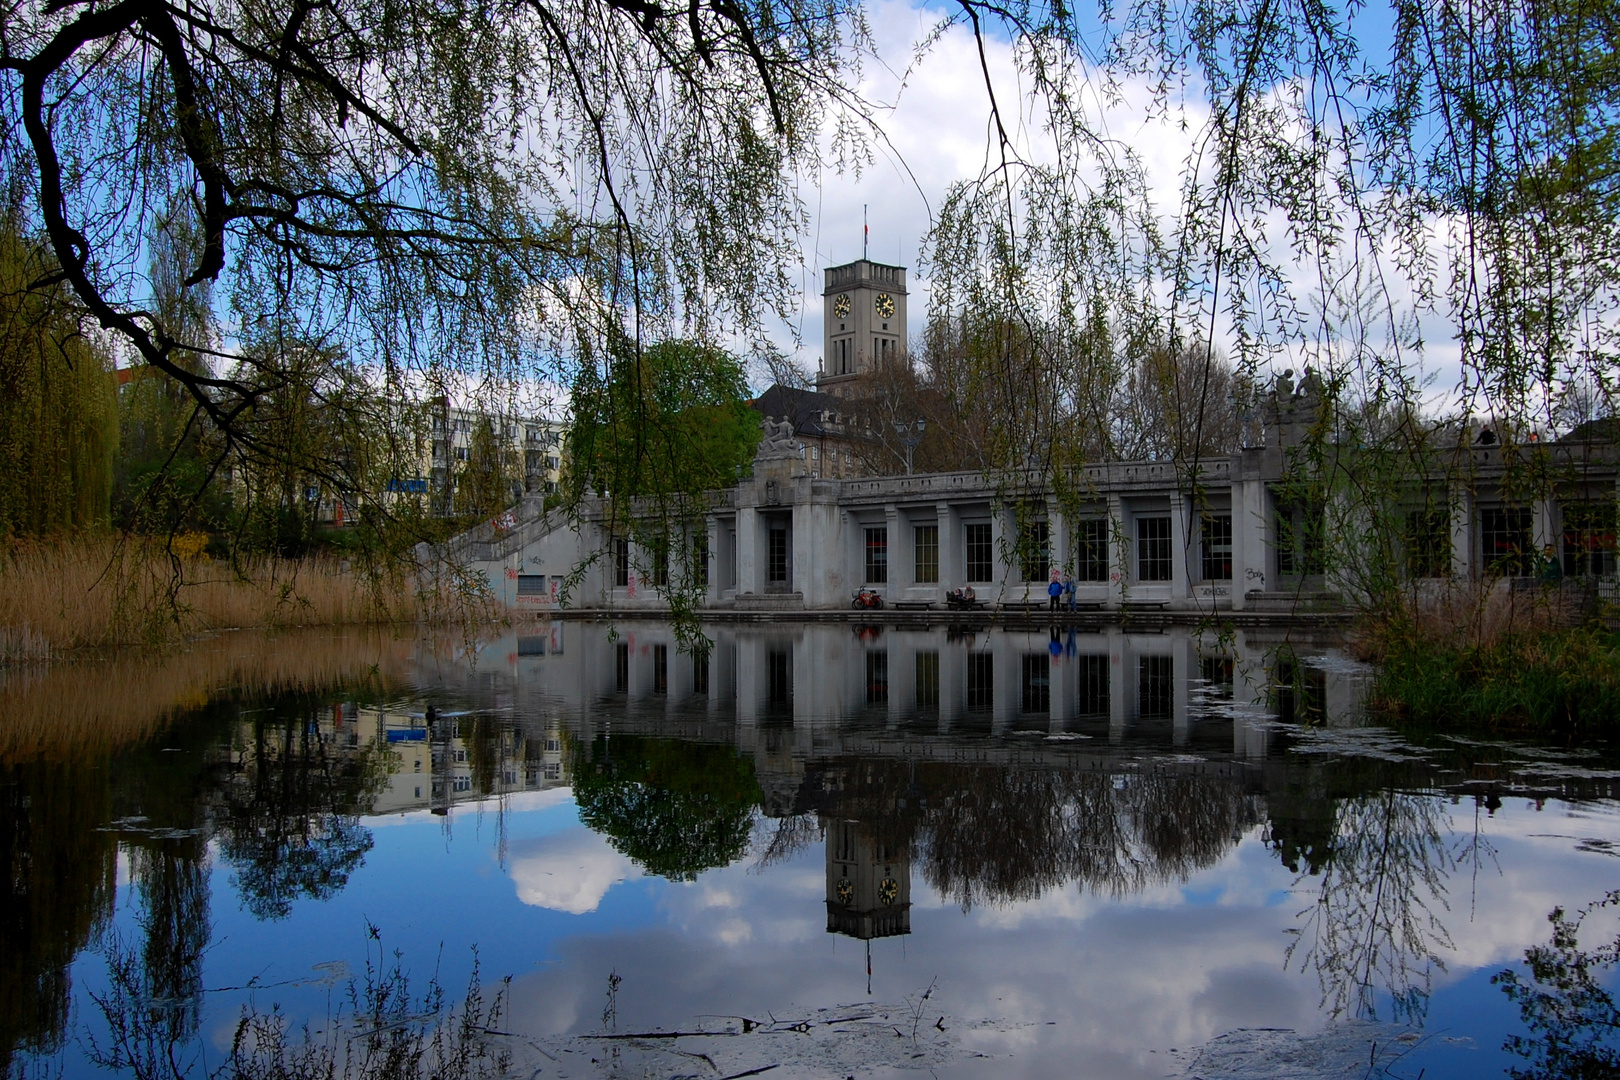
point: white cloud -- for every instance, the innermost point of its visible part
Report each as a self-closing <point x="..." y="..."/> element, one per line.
<point x="568" y="871"/>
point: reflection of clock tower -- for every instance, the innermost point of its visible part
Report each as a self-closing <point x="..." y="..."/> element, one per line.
<point x="864" y="308"/>
<point x="868" y="885"/>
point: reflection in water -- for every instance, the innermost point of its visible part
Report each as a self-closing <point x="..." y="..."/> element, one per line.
<point x="1376" y="924"/>
<point x="676" y="808"/>
<point x="56" y="891"/>
<point x="1572" y="1020"/>
<point x="992" y="768"/>
<point x="290" y="825"/>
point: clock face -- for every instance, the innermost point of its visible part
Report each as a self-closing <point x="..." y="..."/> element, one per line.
<point x="845" y="892"/>
<point x="889" y="891"/>
<point x="841" y="306"/>
<point x="885" y="305"/>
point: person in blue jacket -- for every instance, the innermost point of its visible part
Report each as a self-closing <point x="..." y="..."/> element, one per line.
<point x="1054" y="593"/>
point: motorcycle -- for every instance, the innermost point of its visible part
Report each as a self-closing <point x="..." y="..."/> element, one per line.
<point x="867" y="600"/>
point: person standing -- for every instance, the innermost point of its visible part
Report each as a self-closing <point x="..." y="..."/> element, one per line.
<point x="1054" y="593"/>
<point x="1068" y="589"/>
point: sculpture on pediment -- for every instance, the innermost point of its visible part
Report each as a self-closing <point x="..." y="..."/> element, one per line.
<point x="778" y="440"/>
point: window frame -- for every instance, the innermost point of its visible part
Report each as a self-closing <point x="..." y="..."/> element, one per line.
<point x="1215" y="554"/>
<point x="1158" y="556"/>
<point x="980" y="549"/>
<point x="925" y="551"/>
<point x="876" y="548"/>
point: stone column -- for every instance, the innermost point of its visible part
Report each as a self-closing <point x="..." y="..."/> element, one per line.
<point x="1181" y="526"/>
<point x="902" y="565"/>
<point x="1057" y="539"/>
<point x="1001" y="543"/>
<point x="712" y="534"/>
<point x="1248" y="543"/>
<point x="1462" y="533"/>
<point x="1120" y="553"/>
<point x="750" y="552"/>
<point x="1542" y="527"/>
<point x="952" y="550"/>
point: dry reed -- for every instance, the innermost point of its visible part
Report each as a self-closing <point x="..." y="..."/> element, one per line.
<point x="96" y="706"/>
<point x="85" y="593"/>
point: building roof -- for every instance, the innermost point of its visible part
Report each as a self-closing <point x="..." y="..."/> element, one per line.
<point x="813" y="414"/>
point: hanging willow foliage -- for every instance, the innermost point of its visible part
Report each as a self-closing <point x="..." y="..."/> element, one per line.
<point x="58" y="407"/>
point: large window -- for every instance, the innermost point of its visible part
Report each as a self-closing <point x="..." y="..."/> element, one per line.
<point x="776" y="569"/>
<point x="877" y="555"/>
<point x="1505" y="541"/>
<point x="1589" y="538"/>
<point x="980" y="553"/>
<point x="621" y="561"/>
<point x="1091" y="563"/>
<point x="1299" y="539"/>
<point x="1034" y="550"/>
<point x="700" y="556"/>
<point x="1217" y="547"/>
<point x="1428" y="543"/>
<point x="660" y="660"/>
<point x="927" y="554"/>
<point x="1153" y="549"/>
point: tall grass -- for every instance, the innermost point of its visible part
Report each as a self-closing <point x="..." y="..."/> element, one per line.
<point x="1498" y="658"/>
<point x="92" y="592"/>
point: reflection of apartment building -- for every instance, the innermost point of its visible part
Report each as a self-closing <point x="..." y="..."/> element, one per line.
<point x="433" y="766"/>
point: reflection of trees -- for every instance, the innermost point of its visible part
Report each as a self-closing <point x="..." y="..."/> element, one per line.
<point x="1012" y="834"/>
<point x="1375" y="924"/>
<point x="1002" y="834"/>
<point x="57" y="869"/>
<point x="676" y="808"/>
<point x="1572" y="1018"/>
<point x="290" y="826"/>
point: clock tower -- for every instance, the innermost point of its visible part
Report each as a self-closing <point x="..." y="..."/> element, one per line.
<point x="864" y="313"/>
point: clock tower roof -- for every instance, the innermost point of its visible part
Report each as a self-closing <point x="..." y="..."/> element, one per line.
<point x="865" y="273"/>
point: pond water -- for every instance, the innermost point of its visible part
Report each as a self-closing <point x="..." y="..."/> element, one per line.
<point x="819" y="850"/>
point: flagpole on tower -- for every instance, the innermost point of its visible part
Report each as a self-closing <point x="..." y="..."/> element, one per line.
<point x="866" y="231"/>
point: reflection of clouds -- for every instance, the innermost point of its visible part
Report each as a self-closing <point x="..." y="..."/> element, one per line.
<point x="1073" y="983"/>
<point x="567" y="871"/>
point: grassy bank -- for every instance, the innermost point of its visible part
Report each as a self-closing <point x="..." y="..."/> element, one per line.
<point x="1493" y="660"/>
<point x="64" y="596"/>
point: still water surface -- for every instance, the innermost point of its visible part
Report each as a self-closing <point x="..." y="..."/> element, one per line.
<point x="907" y="852"/>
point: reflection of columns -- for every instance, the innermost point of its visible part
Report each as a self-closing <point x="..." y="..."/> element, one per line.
<point x="1008" y="657"/>
<point x="750" y="559"/>
<point x="1462" y="533"/>
<point x="752" y="685"/>
<point x="902" y="679"/>
<point x="1180" y="675"/>
<point x="1180" y="544"/>
<point x="1118" y="685"/>
<point x="952" y="684"/>
<point x="722" y="671"/>
<point x="952" y="550"/>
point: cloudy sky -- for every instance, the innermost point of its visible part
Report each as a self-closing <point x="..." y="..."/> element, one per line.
<point x="937" y="131"/>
